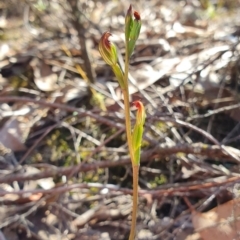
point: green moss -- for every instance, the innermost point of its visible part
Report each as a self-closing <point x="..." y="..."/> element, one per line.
<point x="161" y="126"/>
<point x="158" y="180"/>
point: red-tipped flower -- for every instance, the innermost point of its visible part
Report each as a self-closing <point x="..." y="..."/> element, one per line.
<point x="107" y="49"/>
<point x="132" y="29"/>
<point x="108" y="52"/>
<point x="138" y="130"/>
<point x="128" y="23"/>
<point x="141" y="115"/>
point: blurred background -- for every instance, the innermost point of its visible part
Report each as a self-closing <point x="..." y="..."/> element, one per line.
<point x="64" y="166"/>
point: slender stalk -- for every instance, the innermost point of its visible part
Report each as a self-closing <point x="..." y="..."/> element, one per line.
<point x="129" y="139"/>
<point x="128" y="122"/>
<point x="135" y="170"/>
<point x="127" y="106"/>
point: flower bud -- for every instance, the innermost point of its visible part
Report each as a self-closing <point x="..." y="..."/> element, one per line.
<point x="138" y="130"/>
<point x="141" y="115"/>
<point x="107" y="49"/>
<point x="128" y="23"/>
<point x="135" y="31"/>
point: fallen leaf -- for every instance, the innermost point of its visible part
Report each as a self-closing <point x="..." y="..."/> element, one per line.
<point x="220" y="223"/>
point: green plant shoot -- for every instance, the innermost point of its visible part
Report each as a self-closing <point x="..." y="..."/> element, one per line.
<point x="108" y="52"/>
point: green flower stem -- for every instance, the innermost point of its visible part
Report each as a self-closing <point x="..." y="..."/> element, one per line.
<point x="127" y="107"/>
<point x="135" y="167"/>
<point x="108" y="52"/>
<point x="128" y="122"/>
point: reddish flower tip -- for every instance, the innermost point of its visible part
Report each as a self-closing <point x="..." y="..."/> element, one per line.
<point x="107" y="49"/>
<point x="129" y="11"/>
<point x="141" y="115"/>
<point x="137" y="16"/>
<point x="136" y="104"/>
<point x="105" y="40"/>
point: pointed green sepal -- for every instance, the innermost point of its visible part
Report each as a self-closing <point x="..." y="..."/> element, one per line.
<point x="107" y="49"/>
<point x="138" y="130"/>
<point x="137" y="136"/>
<point x="134" y="33"/>
<point x="128" y="23"/>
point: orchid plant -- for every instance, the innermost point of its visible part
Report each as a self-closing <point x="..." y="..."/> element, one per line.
<point x="109" y="53"/>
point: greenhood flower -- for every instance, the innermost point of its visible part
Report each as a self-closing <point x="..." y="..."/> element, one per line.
<point x="128" y="23"/>
<point x="134" y="33"/>
<point x="132" y="29"/>
<point x="107" y="49"/>
<point x="108" y="52"/>
<point x="141" y="115"/>
<point x="138" y="130"/>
